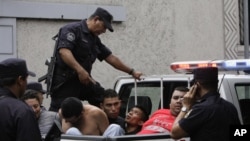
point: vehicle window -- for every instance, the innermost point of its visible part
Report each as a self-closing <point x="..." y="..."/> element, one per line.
<point x="243" y="93"/>
<point x="151" y="90"/>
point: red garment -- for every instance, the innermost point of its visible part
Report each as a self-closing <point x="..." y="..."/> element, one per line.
<point x="161" y="121"/>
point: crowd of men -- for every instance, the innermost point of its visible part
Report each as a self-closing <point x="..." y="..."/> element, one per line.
<point x="199" y="113"/>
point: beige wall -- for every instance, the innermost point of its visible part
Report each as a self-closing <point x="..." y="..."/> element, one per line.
<point x="155" y="33"/>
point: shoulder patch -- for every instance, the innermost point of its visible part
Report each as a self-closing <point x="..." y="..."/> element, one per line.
<point x="70" y="36"/>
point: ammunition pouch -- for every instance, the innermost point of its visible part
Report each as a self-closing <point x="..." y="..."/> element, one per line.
<point x="61" y="76"/>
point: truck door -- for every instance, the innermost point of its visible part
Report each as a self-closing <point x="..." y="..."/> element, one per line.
<point x="243" y="94"/>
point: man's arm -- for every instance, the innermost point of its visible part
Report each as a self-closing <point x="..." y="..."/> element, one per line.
<point x="65" y="125"/>
<point x="102" y="120"/>
<point x="70" y="60"/>
<point x="177" y="132"/>
<point x="188" y="101"/>
<point x="118" y="64"/>
<point x="27" y="126"/>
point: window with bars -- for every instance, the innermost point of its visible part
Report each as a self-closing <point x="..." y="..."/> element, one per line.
<point x="241" y="20"/>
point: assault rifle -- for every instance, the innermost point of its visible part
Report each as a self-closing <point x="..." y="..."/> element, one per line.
<point x="51" y="68"/>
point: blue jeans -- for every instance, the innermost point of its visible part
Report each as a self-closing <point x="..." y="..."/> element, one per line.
<point x="112" y="130"/>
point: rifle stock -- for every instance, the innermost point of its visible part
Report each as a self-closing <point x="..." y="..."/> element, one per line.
<point x="42" y="78"/>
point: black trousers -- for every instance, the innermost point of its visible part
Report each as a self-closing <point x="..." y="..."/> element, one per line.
<point x="93" y="93"/>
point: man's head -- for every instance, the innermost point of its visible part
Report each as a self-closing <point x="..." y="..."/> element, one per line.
<point x="38" y="87"/>
<point x="31" y="98"/>
<point x="71" y="109"/>
<point x="111" y="103"/>
<point x="14" y="71"/>
<point x="176" y="103"/>
<point x="136" y="116"/>
<point x="99" y="21"/>
<point x="206" y="79"/>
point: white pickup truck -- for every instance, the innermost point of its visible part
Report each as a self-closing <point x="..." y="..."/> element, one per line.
<point x="155" y="91"/>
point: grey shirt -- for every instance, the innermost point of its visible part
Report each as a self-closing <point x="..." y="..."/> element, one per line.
<point x="46" y="120"/>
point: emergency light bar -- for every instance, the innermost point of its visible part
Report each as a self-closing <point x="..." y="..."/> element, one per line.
<point x="226" y="65"/>
<point x="240" y="64"/>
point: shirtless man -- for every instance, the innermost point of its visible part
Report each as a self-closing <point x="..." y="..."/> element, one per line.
<point x="79" y="119"/>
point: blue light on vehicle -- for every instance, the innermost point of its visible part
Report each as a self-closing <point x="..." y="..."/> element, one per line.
<point x="240" y="64"/>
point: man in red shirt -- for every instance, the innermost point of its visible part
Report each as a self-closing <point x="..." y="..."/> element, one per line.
<point x="162" y="120"/>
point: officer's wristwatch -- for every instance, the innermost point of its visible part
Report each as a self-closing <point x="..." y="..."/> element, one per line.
<point x="184" y="109"/>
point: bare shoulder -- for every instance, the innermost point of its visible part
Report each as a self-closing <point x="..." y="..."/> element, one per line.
<point x="93" y="110"/>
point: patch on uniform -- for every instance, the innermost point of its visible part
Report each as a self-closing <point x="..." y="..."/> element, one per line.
<point x="71" y="36"/>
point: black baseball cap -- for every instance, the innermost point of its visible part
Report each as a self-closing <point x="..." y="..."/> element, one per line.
<point x="106" y="17"/>
<point x="36" y="86"/>
<point x="14" y="67"/>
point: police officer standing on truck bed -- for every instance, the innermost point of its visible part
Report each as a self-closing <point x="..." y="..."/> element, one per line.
<point x="205" y="116"/>
<point x="78" y="47"/>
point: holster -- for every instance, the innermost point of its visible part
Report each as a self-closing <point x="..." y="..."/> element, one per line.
<point x="61" y="76"/>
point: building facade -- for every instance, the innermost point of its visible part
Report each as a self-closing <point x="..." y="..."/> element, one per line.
<point x="148" y="35"/>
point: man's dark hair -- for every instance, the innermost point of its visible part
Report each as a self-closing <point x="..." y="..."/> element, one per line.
<point x="145" y="114"/>
<point x="209" y="85"/>
<point x="71" y="107"/>
<point x="110" y="93"/>
<point x="30" y="94"/>
<point x="182" y="89"/>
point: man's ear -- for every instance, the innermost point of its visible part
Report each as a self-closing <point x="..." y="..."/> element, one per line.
<point x="198" y="84"/>
<point x="101" y="105"/>
<point x="21" y="80"/>
<point x="60" y="113"/>
<point x="96" y="18"/>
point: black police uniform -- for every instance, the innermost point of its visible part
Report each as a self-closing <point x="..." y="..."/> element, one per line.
<point x="17" y="120"/>
<point x="210" y="119"/>
<point x="85" y="47"/>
